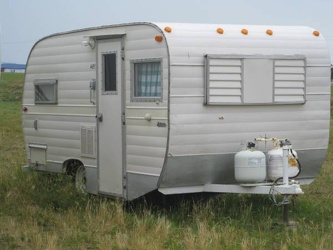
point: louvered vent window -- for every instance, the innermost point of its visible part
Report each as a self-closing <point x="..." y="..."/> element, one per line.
<point x="289" y="80"/>
<point x="88" y="141"/>
<point x="237" y="80"/>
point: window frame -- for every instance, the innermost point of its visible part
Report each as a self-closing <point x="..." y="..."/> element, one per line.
<point x="275" y="82"/>
<point x="109" y="92"/>
<point x="46" y="82"/>
<point x="133" y="80"/>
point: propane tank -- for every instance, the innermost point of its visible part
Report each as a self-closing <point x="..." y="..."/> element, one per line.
<point x="250" y="165"/>
<point x="275" y="161"/>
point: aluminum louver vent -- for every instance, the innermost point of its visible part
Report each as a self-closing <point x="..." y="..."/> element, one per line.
<point x="88" y="141"/>
<point x="242" y="80"/>
<point x="289" y="80"/>
<point x="225" y="81"/>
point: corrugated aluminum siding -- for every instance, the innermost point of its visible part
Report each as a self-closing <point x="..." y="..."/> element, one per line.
<point x="145" y="142"/>
<point x="197" y="129"/>
<point x="60" y="57"/>
<point x="64" y="58"/>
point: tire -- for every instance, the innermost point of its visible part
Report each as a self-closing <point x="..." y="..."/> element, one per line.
<point x="80" y="179"/>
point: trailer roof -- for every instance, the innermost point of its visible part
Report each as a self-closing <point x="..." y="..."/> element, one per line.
<point x="196" y="39"/>
<point x="185" y="40"/>
<point x="224" y="30"/>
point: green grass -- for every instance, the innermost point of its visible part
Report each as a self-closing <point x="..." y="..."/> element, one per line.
<point x="44" y="211"/>
<point x="11" y="87"/>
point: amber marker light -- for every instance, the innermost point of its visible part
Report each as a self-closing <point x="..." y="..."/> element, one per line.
<point x="316" y="33"/>
<point x="245" y="31"/>
<point x="269" y="32"/>
<point x="158" y="39"/>
<point x="168" y="29"/>
<point x="220" y="31"/>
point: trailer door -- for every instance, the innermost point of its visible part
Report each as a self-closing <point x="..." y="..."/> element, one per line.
<point x="109" y="117"/>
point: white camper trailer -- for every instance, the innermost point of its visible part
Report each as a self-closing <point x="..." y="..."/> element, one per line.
<point x="138" y="107"/>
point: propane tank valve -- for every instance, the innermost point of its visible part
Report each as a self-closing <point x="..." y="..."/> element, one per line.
<point x="285" y="142"/>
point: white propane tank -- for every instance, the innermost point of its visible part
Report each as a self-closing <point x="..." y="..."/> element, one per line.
<point x="250" y="165"/>
<point x="275" y="163"/>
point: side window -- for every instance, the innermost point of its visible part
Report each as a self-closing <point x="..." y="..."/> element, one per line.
<point x="244" y="80"/>
<point x="146" y="80"/>
<point x="110" y="73"/>
<point x="46" y="91"/>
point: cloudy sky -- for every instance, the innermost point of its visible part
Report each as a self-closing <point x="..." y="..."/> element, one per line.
<point x="23" y="22"/>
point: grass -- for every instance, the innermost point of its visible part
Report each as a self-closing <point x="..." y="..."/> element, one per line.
<point x="44" y="211"/>
<point x="11" y="87"/>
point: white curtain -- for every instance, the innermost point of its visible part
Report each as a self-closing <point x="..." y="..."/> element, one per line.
<point x="148" y="79"/>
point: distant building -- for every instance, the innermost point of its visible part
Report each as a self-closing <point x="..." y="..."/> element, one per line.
<point x="13" y="67"/>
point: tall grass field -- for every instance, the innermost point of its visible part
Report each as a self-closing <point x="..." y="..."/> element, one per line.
<point x="44" y="211"/>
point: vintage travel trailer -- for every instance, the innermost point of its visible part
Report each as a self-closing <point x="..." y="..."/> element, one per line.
<point x="132" y="108"/>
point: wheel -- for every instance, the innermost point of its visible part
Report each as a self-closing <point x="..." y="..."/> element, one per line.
<point x="80" y="179"/>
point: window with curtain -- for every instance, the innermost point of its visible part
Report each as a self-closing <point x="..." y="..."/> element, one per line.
<point x="147" y="82"/>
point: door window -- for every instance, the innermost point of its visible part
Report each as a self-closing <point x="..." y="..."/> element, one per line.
<point x="109" y="73"/>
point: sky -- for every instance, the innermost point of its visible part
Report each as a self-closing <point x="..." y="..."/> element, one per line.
<point x="24" y="22"/>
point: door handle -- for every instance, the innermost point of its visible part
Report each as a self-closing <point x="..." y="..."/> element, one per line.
<point x="92" y="87"/>
<point x="99" y="117"/>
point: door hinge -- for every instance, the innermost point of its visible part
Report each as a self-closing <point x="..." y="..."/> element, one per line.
<point x="123" y="118"/>
<point x="124" y="181"/>
<point x="99" y="117"/>
<point x="122" y="54"/>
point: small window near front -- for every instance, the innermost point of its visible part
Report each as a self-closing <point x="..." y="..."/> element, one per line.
<point x="46" y="91"/>
<point x="146" y="80"/>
